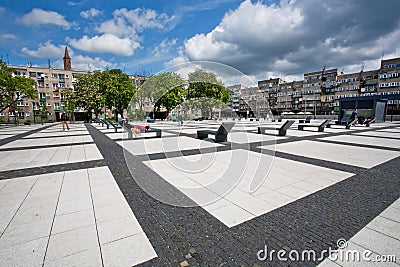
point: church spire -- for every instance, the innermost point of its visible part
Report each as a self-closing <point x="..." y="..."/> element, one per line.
<point x="67" y="60"/>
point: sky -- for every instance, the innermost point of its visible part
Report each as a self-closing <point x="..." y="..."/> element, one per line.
<point x="259" y="39"/>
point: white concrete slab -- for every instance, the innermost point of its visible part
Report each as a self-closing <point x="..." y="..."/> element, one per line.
<point x="71" y="212"/>
<point x="351" y="155"/>
<point x="159" y="145"/>
<point x="239" y="185"/>
<point x="244" y="137"/>
<point x="365" y="140"/>
<point x="29" y="158"/>
<point x="381" y="134"/>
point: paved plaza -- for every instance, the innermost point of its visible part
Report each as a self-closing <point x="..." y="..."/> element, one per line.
<point x="92" y="197"/>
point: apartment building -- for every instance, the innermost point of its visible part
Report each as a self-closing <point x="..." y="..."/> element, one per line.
<point x="50" y="84"/>
<point x="50" y="101"/>
<point x="320" y="91"/>
<point x="389" y="82"/>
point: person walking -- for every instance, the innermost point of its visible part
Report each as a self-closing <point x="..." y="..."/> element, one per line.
<point x="64" y="121"/>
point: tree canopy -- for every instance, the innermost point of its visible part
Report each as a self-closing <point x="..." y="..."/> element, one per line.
<point x="164" y="90"/>
<point x="111" y="88"/>
<point x="89" y="92"/>
<point x="13" y="88"/>
<point x="118" y="89"/>
<point x="205" y="92"/>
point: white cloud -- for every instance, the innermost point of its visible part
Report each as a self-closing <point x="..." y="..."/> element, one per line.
<point x="106" y="43"/>
<point x="46" y="50"/>
<point x="80" y="62"/>
<point x="71" y="3"/>
<point x="8" y="36"/>
<point x="294" y="37"/>
<point x="130" y="22"/>
<point x="90" y="13"/>
<point x="164" y="47"/>
<point x="39" y="17"/>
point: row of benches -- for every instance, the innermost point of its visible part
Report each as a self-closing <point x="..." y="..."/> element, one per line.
<point x="221" y="135"/>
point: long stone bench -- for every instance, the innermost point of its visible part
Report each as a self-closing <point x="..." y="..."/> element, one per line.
<point x="281" y="130"/>
<point x="221" y="135"/>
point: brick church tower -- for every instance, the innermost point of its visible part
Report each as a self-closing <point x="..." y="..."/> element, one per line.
<point x="67" y="60"/>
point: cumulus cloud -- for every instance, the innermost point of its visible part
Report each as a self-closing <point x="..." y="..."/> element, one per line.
<point x="164" y="47"/>
<point x="39" y="17"/>
<point x="91" y="63"/>
<point x="90" y="13"/>
<point x="120" y="35"/>
<point x="45" y="50"/>
<point x="128" y="23"/>
<point x="295" y="37"/>
<point x="106" y="43"/>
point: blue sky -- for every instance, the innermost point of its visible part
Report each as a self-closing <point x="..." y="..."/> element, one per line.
<point x="262" y="39"/>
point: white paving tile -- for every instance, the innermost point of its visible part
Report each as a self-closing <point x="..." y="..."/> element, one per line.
<point x="22" y="233"/>
<point x="29" y="158"/>
<point x="70" y="221"/>
<point x="381" y="134"/>
<point x="128" y="251"/>
<point x="346" y="154"/>
<point x="110" y="231"/>
<point x="30" y="253"/>
<point x="87" y="258"/>
<point x="365" y="140"/>
<point x="71" y="242"/>
<point x="168" y="144"/>
<point x="244" y="137"/>
<point x="224" y="180"/>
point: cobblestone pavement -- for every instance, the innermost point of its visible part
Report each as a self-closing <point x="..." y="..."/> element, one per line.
<point x="86" y="195"/>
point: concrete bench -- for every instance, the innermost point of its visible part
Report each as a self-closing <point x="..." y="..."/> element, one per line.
<point x="320" y="127"/>
<point x="221" y="135"/>
<point x="281" y="130"/>
<point x="128" y="127"/>
<point x="105" y="122"/>
<point x="307" y="120"/>
<point x="345" y="121"/>
<point x="114" y="125"/>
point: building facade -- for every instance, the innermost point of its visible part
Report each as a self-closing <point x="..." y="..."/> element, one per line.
<point x="49" y="84"/>
<point x="319" y="92"/>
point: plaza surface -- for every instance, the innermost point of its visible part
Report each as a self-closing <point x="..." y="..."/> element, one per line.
<point x="91" y="197"/>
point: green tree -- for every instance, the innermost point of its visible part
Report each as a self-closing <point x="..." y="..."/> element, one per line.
<point x="118" y="90"/>
<point x="14" y="88"/>
<point x="69" y="99"/>
<point x="90" y="92"/>
<point x="172" y="98"/>
<point x="164" y="90"/>
<point x="205" y="92"/>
